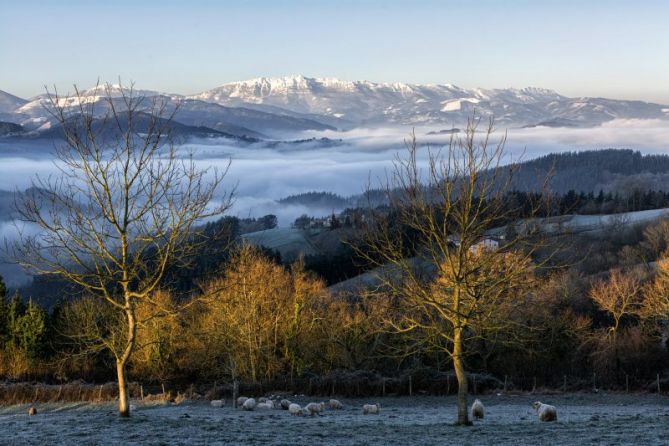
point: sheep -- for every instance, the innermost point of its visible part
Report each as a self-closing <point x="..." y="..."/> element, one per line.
<point x="315" y="408"/>
<point x="371" y="409"/>
<point x="295" y="409"/>
<point x="285" y="404"/>
<point x="249" y="404"/>
<point x="546" y="412"/>
<point x="241" y="400"/>
<point x="216" y="403"/>
<point x="262" y="399"/>
<point x="335" y="404"/>
<point x="478" y="411"/>
<point x="32" y="411"/>
<point x="267" y="405"/>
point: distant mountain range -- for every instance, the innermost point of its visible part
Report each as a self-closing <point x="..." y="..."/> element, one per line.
<point x="369" y="103"/>
<point x="270" y="108"/>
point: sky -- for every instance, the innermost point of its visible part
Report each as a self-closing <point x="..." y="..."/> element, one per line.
<point x="615" y="49"/>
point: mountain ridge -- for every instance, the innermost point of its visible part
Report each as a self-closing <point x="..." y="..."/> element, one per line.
<point x="366" y="102"/>
<point x="278" y="106"/>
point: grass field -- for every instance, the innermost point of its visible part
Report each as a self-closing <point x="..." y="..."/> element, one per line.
<point x="641" y="419"/>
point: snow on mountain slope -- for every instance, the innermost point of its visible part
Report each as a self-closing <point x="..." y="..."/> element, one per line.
<point x="9" y="102"/>
<point x="364" y="102"/>
<point x="239" y="121"/>
<point x="276" y="107"/>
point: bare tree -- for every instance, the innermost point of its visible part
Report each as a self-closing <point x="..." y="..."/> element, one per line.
<point x="656" y="292"/>
<point x="620" y="296"/>
<point x="123" y="209"/>
<point x="451" y="274"/>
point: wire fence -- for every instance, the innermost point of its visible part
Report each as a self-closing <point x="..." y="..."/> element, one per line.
<point x="341" y="384"/>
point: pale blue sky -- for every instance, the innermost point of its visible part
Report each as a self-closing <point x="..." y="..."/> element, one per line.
<point x="617" y="49"/>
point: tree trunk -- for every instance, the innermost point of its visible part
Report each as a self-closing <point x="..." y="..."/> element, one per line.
<point x="123" y="406"/>
<point x="461" y="375"/>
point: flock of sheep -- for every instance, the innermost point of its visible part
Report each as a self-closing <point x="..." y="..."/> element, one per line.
<point x="545" y="412"/>
<point x="311" y="409"/>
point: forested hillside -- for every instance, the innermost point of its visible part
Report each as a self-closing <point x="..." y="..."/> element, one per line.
<point x="610" y="170"/>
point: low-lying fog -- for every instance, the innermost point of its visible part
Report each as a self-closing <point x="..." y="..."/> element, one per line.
<point x="265" y="174"/>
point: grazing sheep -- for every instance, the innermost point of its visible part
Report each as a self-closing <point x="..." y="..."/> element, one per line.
<point x="335" y="404"/>
<point x="262" y="399"/>
<point x="249" y="404"/>
<point x="285" y="404"/>
<point x="241" y="400"/>
<point x="478" y="411"/>
<point x="315" y="408"/>
<point x="371" y="409"/>
<point x="295" y="409"/>
<point x="546" y="412"/>
<point x="32" y="411"/>
<point x="267" y="405"/>
<point x="216" y="403"/>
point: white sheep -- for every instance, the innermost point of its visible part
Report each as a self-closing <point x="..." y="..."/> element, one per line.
<point x="285" y="404"/>
<point x="241" y="400"/>
<point x="216" y="403"/>
<point x="32" y="411"/>
<point x="249" y="404"/>
<point x="371" y="409"/>
<point x="335" y="404"/>
<point x="315" y="408"/>
<point x="546" y="412"/>
<point x="262" y="399"/>
<point x="295" y="409"/>
<point x="267" y="405"/>
<point x="478" y="411"/>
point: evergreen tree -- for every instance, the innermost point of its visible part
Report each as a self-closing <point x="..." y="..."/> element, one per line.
<point x="31" y="331"/>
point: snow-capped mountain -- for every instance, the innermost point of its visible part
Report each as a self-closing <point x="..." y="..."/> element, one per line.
<point x="282" y="107"/>
<point x="370" y="103"/>
<point x="238" y="121"/>
<point x="9" y="102"/>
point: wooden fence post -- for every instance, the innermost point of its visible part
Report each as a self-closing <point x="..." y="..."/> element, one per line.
<point x="505" y="382"/>
<point x="410" y="386"/>
<point x="658" y="384"/>
<point x="564" y="383"/>
<point x="627" y="383"/>
<point x="235" y="392"/>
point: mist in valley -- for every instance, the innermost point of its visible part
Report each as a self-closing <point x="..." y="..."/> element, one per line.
<point x="264" y="173"/>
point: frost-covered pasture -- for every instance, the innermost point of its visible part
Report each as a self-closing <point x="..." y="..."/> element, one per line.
<point x="583" y="419"/>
